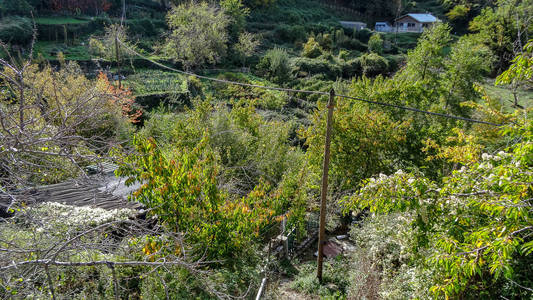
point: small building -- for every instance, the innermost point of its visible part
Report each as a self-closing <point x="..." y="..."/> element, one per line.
<point x="353" y="25"/>
<point x="414" y="22"/>
<point x="383" y="27"/>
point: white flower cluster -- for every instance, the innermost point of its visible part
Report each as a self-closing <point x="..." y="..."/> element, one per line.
<point x="497" y="157"/>
<point x="488" y="159"/>
<point x="81" y="216"/>
<point x="382" y="178"/>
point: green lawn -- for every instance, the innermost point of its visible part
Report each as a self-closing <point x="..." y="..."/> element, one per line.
<point x="60" y="20"/>
<point x="505" y="96"/>
<point x="405" y="40"/>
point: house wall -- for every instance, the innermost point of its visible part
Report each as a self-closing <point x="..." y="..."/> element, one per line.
<point x="408" y="24"/>
<point x="382" y="27"/>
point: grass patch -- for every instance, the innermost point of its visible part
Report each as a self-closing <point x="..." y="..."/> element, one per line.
<point x="405" y="40"/>
<point x="60" y="21"/>
<point x="49" y="51"/>
<point x="505" y="96"/>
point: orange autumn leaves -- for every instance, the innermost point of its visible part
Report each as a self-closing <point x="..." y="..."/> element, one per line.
<point x="122" y="97"/>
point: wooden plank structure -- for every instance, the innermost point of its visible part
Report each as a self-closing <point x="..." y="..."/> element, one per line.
<point x="103" y="190"/>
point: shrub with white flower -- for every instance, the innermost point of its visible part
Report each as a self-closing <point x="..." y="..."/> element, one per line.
<point x="479" y="220"/>
<point x="53" y="214"/>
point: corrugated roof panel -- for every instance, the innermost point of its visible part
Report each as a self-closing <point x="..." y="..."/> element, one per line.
<point x="423" y="18"/>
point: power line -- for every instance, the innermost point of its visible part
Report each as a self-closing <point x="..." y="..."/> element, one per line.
<point x="309" y="92"/>
<point x="421" y="111"/>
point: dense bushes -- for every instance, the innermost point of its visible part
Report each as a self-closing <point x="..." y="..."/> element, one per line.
<point x="291" y="33"/>
<point x="311" y="49"/>
<point x="145" y="27"/>
<point x="275" y="65"/>
<point x="352" y="68"/>
<point x="17" y="30"/>
<point x="18" y="7"/>
<point x="222" y="182"/>
<point x="307" y="67"/>
<point x="375" y="44"/>
<point x="488" y="195"/>
<point x="372" y="64"/>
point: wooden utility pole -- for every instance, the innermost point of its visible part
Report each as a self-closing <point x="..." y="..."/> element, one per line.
<point x="324" y="190"/>
<point x="118" y="59"/>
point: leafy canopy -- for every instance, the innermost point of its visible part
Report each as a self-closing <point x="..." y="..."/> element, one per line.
<point x="198" y="34"/>
<point x="476" y="222"/>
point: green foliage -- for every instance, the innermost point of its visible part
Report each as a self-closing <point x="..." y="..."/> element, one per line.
<point x="198" y="34"/>
<point x="375" y="44"/>
<point x="145" y="27"/>
<point x="265" y="99"/>
<point x="311" y="49"/>
<point x="105" y="46"/>
<point x="325" y="41"/>
<point x="181" y="188"/>
<point x="59" y="21"/>
<point x="19" y="7"/>
<point x="381" y="265"/>
<point x="363" y="142"/>
<point x="478" y="218"/>
<point x="247" y="45"/>
<point x="260" y="3"/>
<point x="291" y="33"/>
<point x="521" y="69"/>
<point x="467" y="64"/>
<point x="363" y="35"/>
<point x="427" y="59"/>
<point x="352" y="68"/>
<point x="307" y="66"/>
<point x="250" y="155"/>
<point x="275" y="65"/>
<point x="458" y="12"/>
<point x="373" y="64"/>
<point x="494" y="27"/>
<point x="236" y="10"/>
<point x="17" y="30"/>
<point x="334" y="282"/>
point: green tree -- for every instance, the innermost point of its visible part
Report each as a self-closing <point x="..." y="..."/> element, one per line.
<point x="237" y="12"/>
<point x="505" y="28"/>
<point x="476" y="223"/>
<point x="373" y="64"/>
<point x="276" y="65"/>
<point x="426" y="61"/>
<point x="311" y="48"/>
<point x="375" y="44"/>
<point x="247" y="46"/>
<point x="19" y="7"/>
<point x="466" y="65"/>
<point x="520" y="73"/>
<point x="181" y="188"/>
<point x="364" y="142"/>
<point x="106" y="46"/>
<point x="198" y="34"/>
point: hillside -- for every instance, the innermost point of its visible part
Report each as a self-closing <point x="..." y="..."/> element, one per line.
<point x="260" y="149"/>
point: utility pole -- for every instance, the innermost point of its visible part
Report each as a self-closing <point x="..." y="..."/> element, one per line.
<point x="324" y="190"/>
<point x="118" y="59"/>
